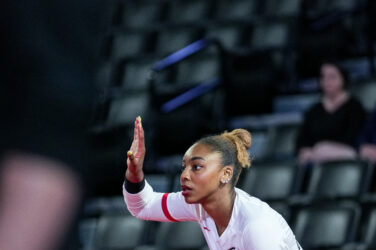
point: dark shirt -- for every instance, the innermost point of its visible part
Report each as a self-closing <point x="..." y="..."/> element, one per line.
<point x="342" y="125"/>
<point x="368" y="135"/>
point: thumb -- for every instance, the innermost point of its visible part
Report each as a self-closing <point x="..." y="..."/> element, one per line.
<point x="130" y="156"/>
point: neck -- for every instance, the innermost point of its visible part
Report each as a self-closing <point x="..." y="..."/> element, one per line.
<point x="220" y="208"/>
<point x="332" y="102"/>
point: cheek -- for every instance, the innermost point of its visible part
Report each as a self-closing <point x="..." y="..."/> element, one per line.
<point x="206" y="179"/>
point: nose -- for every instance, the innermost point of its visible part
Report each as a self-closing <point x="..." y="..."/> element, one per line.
<point x="185" y="175"/>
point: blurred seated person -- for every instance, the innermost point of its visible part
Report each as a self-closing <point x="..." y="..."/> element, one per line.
<point x="331" y="126"/>
<point x="367" y="140"/>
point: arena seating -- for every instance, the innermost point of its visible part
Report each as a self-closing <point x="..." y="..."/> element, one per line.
<point x="263" y="57"/>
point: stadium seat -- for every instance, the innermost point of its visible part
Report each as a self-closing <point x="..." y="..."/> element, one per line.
<point x="287" y="8"/>
<point x="324" y="226"/>
<point x="128" y="44"/>
<point x="369" y="237"/>
<point x="119" y="232"/>
<point x="176" y="236"/>
<point x="124" y="110"/>
<point x="366" y="94"/>
<point x="338" y="180"/>
<point x="270" y="36"/>
<point x="181" y="235"/>
<point x="271" y="182"/>
<point x="283" y="141"/>
<point x="187" y="11"/>
<point x="135" y="74"/>
<point x="230" y="35"/>
<point x="170" y="40"/>
<point x="199" y="68"/>
<point x="235" y="10"/>
<point x="136" y="14"/>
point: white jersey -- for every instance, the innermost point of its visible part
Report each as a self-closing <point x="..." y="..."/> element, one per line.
<point x="253" y="224"/>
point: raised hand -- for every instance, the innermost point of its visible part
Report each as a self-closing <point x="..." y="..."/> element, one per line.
<point x="136" y="154"/>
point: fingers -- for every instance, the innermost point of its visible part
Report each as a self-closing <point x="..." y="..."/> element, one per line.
<point x="141" y="136"/>
<point x="138" y="145"/>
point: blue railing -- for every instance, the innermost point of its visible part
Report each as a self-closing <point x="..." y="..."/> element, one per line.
<point x="196" y="91"/>
<point x="182" y="54"/>
<point x="189" y="95"/>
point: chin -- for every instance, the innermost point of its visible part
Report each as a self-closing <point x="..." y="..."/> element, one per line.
<point x="189" y="200"/>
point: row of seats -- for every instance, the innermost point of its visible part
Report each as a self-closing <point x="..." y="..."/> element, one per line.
<point x="232" y="35"/>
<point x="296" y="185"/>
<point x="343" y="225"/>
<point x="136" y="15"/>
<point x="280" y="183"/>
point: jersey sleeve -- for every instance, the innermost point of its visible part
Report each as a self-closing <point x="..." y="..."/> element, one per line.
<point x="150" y="205"/>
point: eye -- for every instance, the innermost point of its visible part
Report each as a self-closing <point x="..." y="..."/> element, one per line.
<point x="196" y="167"/>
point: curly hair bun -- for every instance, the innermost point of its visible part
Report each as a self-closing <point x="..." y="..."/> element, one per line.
<point x="242" y="140"/>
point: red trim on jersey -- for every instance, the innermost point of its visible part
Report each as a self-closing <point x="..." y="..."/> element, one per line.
<point x="164" y="208"/>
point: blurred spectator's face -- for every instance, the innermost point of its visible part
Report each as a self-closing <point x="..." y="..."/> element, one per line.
<point x="331" y="80"/>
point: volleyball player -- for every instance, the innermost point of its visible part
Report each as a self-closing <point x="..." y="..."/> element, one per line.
<point x="229" y="217"/>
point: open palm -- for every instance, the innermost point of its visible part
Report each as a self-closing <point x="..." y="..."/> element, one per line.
<point x="136" y="154"/>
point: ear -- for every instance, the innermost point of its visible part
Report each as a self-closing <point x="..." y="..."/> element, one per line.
<point x="227" y="173"/>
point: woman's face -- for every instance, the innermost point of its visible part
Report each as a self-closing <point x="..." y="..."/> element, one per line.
<point x="202" y="173"/>
<point x="331" y="80"/>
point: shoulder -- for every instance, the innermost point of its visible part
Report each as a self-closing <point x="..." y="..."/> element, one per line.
<point x="353" y="102"/>
<point x="262" y="227"/>
<point x="253" y="211"/>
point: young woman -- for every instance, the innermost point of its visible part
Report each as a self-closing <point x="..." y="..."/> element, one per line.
<point x="229" y="217"/>
<point x="331" y="126"/>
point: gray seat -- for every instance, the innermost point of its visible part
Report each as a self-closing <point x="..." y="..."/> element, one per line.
<point x="122" y="111"/>
<point x="238" y="9"/>
<point x="326" y="226"/>
<point x="369" y="237"/>
<point x="338" y="180"/>
<point x="119" y="232"/>
<point x="177" y="236"/>
<point x="289" y="8"/>
<point x="181" y="235"/>
<point x="283" y="141"/>
<point x="272" y="182"/>
<point x="136" y="74"/>
<point x="270" y="35"/>
<point x="129" y="44"/>
<point x="366" y="94"/>
<point x="229" y="35"/>
<point x="173" y="39"/>
<point x="187" y="11"/>
<point x="198" y="69"/>
<point x="136" y="14"/>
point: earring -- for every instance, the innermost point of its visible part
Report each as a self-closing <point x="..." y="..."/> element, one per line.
<point x="224" y="182"/>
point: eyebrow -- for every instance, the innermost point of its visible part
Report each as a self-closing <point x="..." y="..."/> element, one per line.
<point x="196" y="158"/>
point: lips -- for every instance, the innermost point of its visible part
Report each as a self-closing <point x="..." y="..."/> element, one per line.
<point x="186" y="190"/>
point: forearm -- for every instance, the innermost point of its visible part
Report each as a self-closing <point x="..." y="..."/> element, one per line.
<point x="149" y="205"/>
<point x="144" y="204"/>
